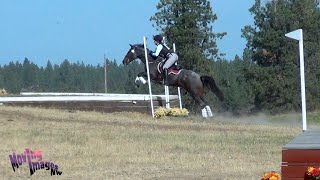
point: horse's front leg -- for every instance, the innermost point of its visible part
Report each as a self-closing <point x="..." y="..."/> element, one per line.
<point x="141" y="79"/>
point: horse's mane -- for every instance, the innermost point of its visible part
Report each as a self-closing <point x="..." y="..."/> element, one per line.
<point x="139" y="45"/>
<point x="142" y="46"/>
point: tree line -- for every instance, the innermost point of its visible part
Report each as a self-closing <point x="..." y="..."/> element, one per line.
<point x="265" y="78"/>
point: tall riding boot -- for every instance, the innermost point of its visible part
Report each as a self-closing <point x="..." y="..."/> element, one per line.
<point x="165" y="76"/>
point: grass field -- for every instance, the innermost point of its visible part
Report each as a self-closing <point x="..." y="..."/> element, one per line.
<point x="92" y="145"/>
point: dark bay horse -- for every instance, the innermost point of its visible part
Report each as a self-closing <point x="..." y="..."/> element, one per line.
<point x="192" y="82"/>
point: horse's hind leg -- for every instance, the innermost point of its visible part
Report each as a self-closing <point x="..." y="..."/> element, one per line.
<point x="207" y="107"/>
<point x="201" y="103"/>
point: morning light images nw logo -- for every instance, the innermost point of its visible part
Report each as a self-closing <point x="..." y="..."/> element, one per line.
<point x="34" y="161"/>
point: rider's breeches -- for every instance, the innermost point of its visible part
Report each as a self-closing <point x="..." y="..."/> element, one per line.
<point x="173" y="58"/>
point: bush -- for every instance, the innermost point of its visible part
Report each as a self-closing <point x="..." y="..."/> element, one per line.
<point x="176" y="112"/>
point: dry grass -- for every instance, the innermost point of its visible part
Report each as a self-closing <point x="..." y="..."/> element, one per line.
<point x="90" y="145"/>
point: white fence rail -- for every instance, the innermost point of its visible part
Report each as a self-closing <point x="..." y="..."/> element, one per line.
<point x="39" y="97"/>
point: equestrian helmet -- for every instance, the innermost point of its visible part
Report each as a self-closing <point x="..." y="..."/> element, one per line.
<point x="158" y="38"/>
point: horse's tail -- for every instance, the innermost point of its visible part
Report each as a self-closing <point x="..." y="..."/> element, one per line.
<point x="210" y="83"/>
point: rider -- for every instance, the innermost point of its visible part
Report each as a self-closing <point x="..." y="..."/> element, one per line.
<point x="165" y="52"/>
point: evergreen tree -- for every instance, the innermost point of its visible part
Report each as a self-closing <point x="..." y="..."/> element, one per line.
<point x="12" y="77"/>
<point x="130" y="87"/>
<point x="238" y="93"/>
<point x="188" y="23"/>
<point x="30" y="76"/>
<point x="63" y="77"/>
<point x="69" y="77"/>
<point x="2" y="83"/>
<point x="273" y="68"/>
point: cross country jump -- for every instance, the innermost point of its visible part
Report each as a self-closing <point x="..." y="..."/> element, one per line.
<point x="191" y="81"/>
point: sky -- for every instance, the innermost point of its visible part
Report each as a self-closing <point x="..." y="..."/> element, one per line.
<point x="84" y="31"/>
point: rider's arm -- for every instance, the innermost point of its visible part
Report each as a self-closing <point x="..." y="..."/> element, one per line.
<point x="159" y="48"/>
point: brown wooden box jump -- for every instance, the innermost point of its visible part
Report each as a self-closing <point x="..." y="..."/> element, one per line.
<point x="299" y="154"/>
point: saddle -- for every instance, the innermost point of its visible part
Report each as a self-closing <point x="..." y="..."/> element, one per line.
<point x="174" y="69"/>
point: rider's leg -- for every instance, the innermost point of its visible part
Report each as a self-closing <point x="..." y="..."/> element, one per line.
<point x="173" y="58"/>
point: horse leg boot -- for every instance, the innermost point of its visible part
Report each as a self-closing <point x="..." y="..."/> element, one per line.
<point x="206" y="108"/>
<point x="210" y="114"/>
<point x="204" y="113"/>
<point x="202" y="105"/>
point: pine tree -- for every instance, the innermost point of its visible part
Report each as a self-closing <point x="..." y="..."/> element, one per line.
<point x="188" y="23"/>
<point x="273" y="68"/>
<point x="30" y="77"/>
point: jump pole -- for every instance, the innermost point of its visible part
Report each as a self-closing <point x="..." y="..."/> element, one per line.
<point x="179" y="94"/>
<point x="166" y="89"/>
<point x="149" y="83"/>
<point x="166" y="92"/>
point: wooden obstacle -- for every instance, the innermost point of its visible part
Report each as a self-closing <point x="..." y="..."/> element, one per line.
<point x="299" y="154"/>
<point x="89" y="101"/>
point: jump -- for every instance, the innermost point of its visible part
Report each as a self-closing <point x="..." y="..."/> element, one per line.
<point x="191" y="81"/>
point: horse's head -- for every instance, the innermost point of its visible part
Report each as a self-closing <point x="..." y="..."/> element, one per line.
<point x="135" y="51"/>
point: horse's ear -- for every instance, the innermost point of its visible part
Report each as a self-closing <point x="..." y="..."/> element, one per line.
<point x="130" y="45"/>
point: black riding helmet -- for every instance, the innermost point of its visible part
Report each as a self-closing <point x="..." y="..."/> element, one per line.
<point x="158" y="38"/>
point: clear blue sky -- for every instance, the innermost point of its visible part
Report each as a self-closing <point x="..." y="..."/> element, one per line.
<point x="83" y="30"/>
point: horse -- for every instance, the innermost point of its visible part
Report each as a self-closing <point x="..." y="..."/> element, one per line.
<point x="191" y="81"/>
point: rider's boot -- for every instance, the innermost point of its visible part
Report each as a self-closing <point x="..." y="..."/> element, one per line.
<point x="165" y="76"/>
